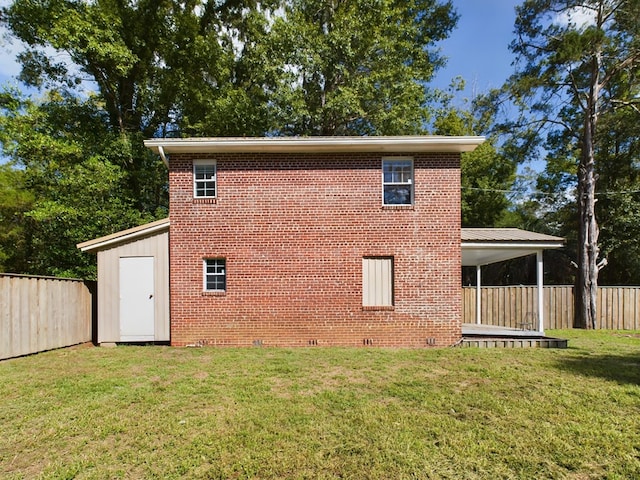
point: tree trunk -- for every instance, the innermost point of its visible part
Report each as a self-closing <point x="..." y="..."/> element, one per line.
<point x="586" y="289"/>
<point x="588" y="250"/>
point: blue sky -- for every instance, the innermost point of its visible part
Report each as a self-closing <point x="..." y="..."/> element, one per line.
<point x="8" y="66"/>
<point x="478" y="48"/>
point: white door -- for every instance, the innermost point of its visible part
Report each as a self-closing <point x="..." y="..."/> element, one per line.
<point x="136" y="299"/>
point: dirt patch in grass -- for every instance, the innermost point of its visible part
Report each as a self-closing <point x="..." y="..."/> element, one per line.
<point x="626" y="335"/>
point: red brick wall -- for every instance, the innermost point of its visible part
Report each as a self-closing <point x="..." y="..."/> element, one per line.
<point x="293" y="229"/>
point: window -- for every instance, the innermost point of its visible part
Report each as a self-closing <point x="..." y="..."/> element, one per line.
<point x="215" y="275"/>
<point x="377" y="282"/>
<point x="397" y="181"/>
<point x="204" y="179"/>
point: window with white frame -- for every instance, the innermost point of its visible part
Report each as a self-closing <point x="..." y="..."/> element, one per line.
<point x="377" y="282"/>
<point x="215" y="275"/>
<point x="204" y="179"/>
<point x="397" y="181"/>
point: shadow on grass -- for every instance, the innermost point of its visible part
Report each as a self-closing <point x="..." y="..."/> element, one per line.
<point x="622" y="368"/>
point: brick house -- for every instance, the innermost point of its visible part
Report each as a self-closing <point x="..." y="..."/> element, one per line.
<point x="315" y="241"/>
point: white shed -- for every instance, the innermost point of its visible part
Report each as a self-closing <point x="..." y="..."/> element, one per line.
<point x="133" y="284"/>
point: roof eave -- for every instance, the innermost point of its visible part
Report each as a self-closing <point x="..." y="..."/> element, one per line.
<point x="513" y="245"/>
<point x="399" y="144"/>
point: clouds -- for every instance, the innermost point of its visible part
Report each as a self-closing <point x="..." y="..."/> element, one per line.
<point x="9" y="48"/>
<point x="576" y="17"/>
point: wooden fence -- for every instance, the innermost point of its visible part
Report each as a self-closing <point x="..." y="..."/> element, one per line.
<point x="41" y="313"/>
<point x="618" y="307"/>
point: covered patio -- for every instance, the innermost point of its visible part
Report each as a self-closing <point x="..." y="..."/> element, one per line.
<point x="484" y="246"/>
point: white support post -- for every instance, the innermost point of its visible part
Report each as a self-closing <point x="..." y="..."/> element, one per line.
<point x="540" y="275"/>
<point x="478" y="297"/>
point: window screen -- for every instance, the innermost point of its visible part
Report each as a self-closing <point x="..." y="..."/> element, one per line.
<point x="215" y="274"/>
<point x="204" y="179"/>
<point x="397" y="181"/>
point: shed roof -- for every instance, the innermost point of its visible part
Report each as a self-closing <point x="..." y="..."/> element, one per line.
<point x="124" y="236"/>
<point x="505" y="235"/>
<point x="482" y="246"/>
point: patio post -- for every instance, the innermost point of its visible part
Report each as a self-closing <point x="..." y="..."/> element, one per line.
<point x="540" y="275"/>
<point x="478" y="298"/>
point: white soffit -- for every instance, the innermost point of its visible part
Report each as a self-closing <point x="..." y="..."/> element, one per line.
<point x="399" y="144"/>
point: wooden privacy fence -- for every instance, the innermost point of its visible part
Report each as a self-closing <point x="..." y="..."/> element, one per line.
<point x="618" y="307"/>
<point x="42" y="313"/>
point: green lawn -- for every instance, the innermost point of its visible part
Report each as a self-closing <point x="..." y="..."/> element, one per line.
<point x="161" y="412"/>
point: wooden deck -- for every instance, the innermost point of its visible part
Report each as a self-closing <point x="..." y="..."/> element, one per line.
<point x="489" y="336"/>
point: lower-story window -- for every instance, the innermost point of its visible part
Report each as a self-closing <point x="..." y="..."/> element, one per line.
<point x="377" y="282"/>
<point x="215" y="274"/>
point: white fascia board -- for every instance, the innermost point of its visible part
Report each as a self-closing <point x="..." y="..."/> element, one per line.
<point x="400" y="144"/>
<point x="513" y="245"/>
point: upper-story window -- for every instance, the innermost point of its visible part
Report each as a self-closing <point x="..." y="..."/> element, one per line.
<point x="397" y="181"/>
<point x="204" y="179"/>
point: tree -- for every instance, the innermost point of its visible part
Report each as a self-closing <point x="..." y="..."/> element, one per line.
<point x="220" y="72"/>
<point x="109" y="43"/>
<point x="570" y="53"/>
<point x="486" y="173"/>
<point x="15" y="200"/>
<point x="68" y="184"/>
<point x="240" y="67"/>
<point x="356" y="67"/>
<point x="161" y="67"/>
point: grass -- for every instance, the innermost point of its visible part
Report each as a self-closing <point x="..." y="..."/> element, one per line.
<point x="161" y="412"/>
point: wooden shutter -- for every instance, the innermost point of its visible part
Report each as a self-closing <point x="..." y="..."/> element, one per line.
<point x="377" y="281"/>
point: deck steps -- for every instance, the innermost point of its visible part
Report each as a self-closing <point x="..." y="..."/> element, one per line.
<point x="514" y="342"/>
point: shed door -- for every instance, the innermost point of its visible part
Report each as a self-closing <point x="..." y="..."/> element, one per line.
<point x="137" y="299"/>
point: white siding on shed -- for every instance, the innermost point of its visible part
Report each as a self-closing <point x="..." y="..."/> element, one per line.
<point x="155" y="244"/>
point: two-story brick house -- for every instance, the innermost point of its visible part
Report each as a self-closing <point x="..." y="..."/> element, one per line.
<point x="315" y="241"/>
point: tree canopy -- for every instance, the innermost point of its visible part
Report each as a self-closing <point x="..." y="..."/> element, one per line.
<point x="487" y="173"/>
<point x="112" y="73"/>
<point x="357" y="67"/>
<point x="67" y="182"/>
